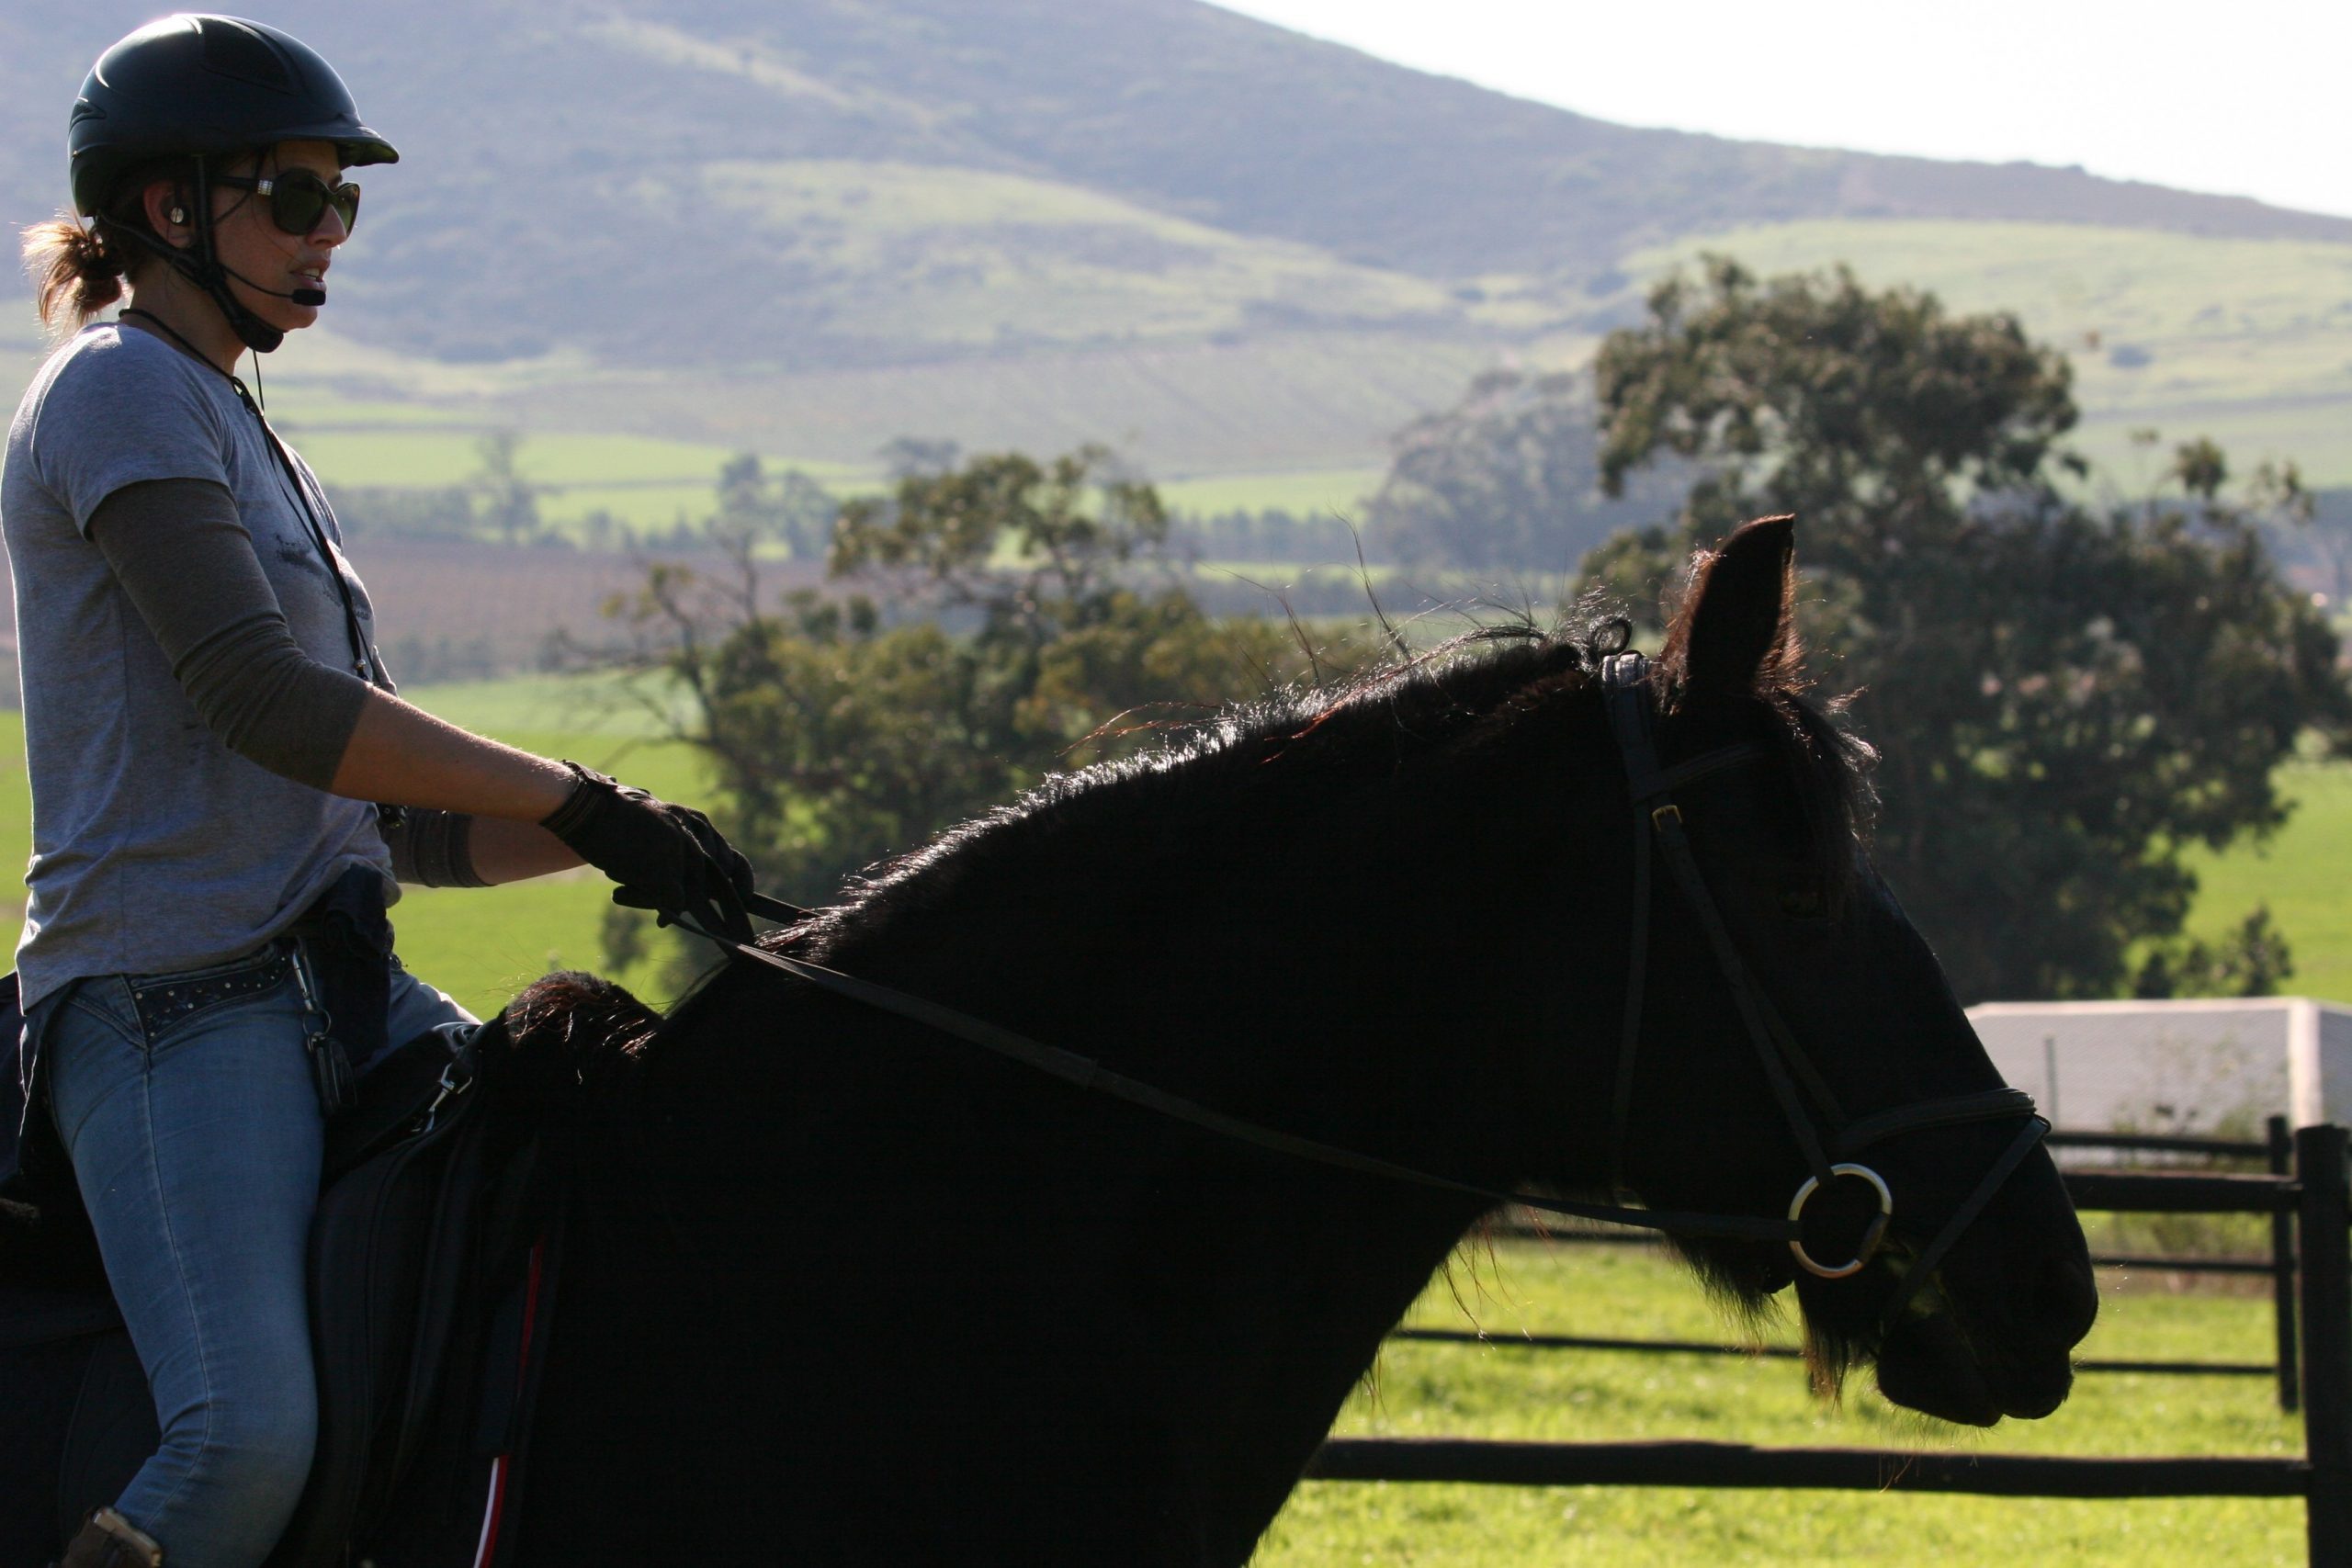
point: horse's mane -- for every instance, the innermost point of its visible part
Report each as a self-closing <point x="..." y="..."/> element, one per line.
<point x="1383" y="716"/>
<point x="1376" y="718"/>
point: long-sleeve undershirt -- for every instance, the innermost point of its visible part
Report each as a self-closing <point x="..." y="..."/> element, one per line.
<point x="188" y="564"/>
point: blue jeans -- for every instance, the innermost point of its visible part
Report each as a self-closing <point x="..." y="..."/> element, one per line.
<point x="195" y="1136"/>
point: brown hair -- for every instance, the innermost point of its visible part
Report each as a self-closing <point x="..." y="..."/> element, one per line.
<point x="79" y="271"/>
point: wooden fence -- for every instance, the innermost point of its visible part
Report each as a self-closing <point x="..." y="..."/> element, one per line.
<point x="2313" y="1200"/>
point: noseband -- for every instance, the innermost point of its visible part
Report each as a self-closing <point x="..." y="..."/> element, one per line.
<point x="1657" y="819"/>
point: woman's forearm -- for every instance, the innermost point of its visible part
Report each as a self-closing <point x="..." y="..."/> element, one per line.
<point x="401" y="755"/>
<point x="505" y="850"/>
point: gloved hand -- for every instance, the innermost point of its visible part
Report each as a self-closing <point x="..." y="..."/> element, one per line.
<point x="665" y="858"/>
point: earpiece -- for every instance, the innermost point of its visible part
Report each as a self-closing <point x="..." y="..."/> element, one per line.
<point x="179" y="215"/>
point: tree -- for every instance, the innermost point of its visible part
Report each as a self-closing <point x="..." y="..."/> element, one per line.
<point x="510" y="503"/>
<point x="756" y="507"/>
<point x="2062" y="699"/>
<point x="2250" y="962"/>
<point x="990" y="623"/>
<point x="1504" y="479"/>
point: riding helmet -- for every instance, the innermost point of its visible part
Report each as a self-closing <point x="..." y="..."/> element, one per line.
<point x="207" y="84"/>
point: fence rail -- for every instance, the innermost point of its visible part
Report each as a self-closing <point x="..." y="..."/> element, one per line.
<point x="2312" y="1198"/>
<point x="1784" y="1352"/>
<point x="2089" y="1189"/>
<point x="1858" y="1470"/>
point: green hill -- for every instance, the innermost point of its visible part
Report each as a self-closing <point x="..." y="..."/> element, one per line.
<point x="805" y="228"/>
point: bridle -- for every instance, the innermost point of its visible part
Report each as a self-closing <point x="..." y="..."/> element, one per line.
<point x="1657" y="821"/>
<point x="1657" y="827"/>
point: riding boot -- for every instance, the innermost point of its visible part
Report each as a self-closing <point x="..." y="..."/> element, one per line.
<point x="109" y="1540"/>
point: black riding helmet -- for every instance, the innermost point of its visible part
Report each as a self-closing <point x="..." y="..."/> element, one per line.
<point x="208" y="87"/>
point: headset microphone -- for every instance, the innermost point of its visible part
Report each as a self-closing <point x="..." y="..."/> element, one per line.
<point x="309" y="295"/>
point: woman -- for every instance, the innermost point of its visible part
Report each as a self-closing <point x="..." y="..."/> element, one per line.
<point x="210" y="734"/>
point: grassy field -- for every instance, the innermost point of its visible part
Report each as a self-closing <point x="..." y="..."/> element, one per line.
<point x="1229" y="407"/>
<point x="2300" y="871"/>
<point x="1497" y="1391"/>
<point x="1314" y="492"/>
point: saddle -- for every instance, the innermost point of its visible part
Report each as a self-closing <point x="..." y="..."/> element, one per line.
<point x="426" y="1255"/>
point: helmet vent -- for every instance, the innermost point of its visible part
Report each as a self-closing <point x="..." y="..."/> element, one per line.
<point x="237" y="51"/>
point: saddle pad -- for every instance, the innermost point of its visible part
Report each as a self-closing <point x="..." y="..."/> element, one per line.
<point x="390" y="1255"/>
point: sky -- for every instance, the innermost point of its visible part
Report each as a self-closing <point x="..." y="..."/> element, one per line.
<point x="2250" y="97"/>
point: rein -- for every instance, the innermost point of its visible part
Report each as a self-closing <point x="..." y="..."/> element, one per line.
<point x="1657" y="821"/>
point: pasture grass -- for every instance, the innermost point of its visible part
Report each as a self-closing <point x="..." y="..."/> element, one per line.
<point x="650" y="482"/>
<point x="2298" y="872"/>
<point x="1499" y="1391"/>
<point x="1318" y="493"/>
<point x="644" y="482"/>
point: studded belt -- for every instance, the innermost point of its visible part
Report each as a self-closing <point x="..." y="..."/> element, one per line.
<point x="167" y="1001"/>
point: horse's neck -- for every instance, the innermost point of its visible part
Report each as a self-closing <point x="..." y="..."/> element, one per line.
<point x="867" y="1227"/>
<point x="1302" y="1308"/>
<point x="1116" y="1307"/>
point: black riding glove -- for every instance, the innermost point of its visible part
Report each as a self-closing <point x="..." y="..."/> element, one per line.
<point x="665" y="858"/>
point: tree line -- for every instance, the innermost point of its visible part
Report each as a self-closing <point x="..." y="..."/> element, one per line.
<point x="2064" y="694"/>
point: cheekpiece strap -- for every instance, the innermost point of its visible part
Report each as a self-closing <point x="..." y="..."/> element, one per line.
<point x="1624" y="684"/>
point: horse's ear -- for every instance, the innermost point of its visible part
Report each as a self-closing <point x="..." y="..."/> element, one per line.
<point x="1736" y="629"/>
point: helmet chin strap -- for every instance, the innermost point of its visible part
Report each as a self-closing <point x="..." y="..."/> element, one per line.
<point x="208" y="271"/>
<point x="208" y="274"/>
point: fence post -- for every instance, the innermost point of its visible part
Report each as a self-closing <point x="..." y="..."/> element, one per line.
<point x="2325" y="1211"/>
<point x="2282" y="1272"/>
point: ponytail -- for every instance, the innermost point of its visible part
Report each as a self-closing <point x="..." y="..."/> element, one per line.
<point x="78" y="272"/>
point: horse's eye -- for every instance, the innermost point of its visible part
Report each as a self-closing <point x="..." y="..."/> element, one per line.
<point x="1802" y="901"/>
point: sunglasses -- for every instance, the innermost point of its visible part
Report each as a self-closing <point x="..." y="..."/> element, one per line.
<point x="298" y="199"/>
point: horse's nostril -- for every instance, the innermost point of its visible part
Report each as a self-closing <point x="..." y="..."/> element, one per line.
<point x="2067" y="1298"/>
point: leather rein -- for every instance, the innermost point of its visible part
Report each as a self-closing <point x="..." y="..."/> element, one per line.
<point x="1657" y="824"/>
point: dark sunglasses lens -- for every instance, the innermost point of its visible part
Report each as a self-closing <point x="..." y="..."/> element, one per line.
<point x="296" y="201"/>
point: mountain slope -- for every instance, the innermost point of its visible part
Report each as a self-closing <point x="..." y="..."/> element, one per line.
<point x="672" y="185"/>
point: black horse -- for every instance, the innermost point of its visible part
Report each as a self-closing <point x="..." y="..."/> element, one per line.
<point x="847" y="1290"/>
<point x="841" y="1288"/>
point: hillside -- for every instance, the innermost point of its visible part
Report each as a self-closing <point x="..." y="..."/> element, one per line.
<point x="862" y="184"/>
<point x="806" y="226"/>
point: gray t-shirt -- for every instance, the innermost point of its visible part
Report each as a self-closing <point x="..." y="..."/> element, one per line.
<point x="155" y="848"/>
